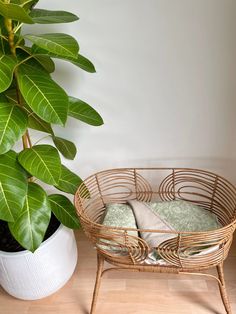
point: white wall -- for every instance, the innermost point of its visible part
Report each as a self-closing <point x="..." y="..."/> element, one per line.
<point x="165" y="83"/>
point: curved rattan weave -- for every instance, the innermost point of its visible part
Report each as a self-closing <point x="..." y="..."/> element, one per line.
<point x="210" y="191"/>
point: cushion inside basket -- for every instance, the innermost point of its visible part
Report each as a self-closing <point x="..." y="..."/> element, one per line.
<point x="176" y="215"/>
<point x="186" y="216"/>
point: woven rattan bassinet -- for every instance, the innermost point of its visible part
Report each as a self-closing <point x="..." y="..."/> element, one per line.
<point x="210" y="191"/>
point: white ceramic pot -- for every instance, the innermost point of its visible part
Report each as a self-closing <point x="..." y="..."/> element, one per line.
<point x="32" y="276"/>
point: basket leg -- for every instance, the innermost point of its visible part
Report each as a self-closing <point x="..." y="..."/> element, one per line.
<point x="222" y="288"/>
<point x="100" y="263"/>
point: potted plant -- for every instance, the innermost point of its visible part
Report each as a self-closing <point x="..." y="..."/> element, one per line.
<point x="31" y="99"/>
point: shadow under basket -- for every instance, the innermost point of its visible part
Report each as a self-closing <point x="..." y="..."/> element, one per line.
<point x="203" y="188"/>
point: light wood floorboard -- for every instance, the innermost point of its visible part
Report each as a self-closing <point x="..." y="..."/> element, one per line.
<point x="128" y="292"/>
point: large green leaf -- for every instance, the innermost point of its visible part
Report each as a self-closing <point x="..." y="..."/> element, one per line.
<point x="46" y="98"/>
<point x="82" y="111"/>
<point x="13" y="186"/>
<point x="43" y="162"/>
<point x="31" y="224"/>
<point x="79" y="61"/>
<point x="13" y="124"/>
<point x="15" y="12"/>
<point x="65" y="147"/>
<point x="7" y="65"/>
<point x="41" y="16"/>
<point x="57" y="43"/>
<point x="69" y="181"/>
<point x="64" y="210"/>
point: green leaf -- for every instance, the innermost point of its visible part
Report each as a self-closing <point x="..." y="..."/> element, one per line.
<point x="43" y="162"/>
<point x="64" y="210"/>
<point x="79" y="61"/>
<point x="57" y="43"/>
<point x="13" y="124"/>
<point x="84" y="64"/>
<point x="7" y="65"/>
<point x="3" y="98"/>
<point x="82" y="111"/>
<point x="65" y="147"/>
<point x="30" y="65"/>
<point x="13" y="186"/>
<point x="46" y="62"/>
<point x="15" y="12"/>
<point x="33" y="219"/>
<point x="69" y="181"/>
<point x="41" y="16"/>
<point x="36" y="123"/>
<point x="11" y="96"/>
<point x="3" y="30"/>
<point x="4" y="46"/>
<point x="27" y="5"/>
<point x="46" y="98"/>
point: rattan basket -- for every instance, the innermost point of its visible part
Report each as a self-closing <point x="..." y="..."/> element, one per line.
<point x="212" y="192"/>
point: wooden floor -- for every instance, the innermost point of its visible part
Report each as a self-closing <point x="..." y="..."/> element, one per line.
<point x="128" y="293"/>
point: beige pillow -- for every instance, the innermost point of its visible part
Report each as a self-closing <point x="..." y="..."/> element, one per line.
<point x="147" y="219"/>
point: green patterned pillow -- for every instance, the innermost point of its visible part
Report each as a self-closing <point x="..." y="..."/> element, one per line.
<point x="185" y="216"/>
<point x="117" y="215"/>
<point x="120" y="215"/>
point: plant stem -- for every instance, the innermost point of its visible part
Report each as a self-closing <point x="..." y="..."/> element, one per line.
<point x="28" y="138"/>
<point x="11" y="35"/>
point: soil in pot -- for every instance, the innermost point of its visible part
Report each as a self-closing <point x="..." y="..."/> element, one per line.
<point x="9" y="244"/>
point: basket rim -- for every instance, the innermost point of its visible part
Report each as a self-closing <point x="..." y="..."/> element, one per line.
<point x="158" y="168"/>
<point x="125" y="229"/>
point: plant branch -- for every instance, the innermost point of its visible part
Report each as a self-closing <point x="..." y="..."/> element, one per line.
<point x="23" y="4"/>
<point x="3" y="37"/>
<point x="11" y="36"/>
<point x="42" y="139"/>
<point x="17" y="27"/>
<point x="25" y="60"/>
<point x="28" y="138"/>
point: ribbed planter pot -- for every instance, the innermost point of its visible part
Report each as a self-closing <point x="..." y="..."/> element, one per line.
<point x="32" y="276"/>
